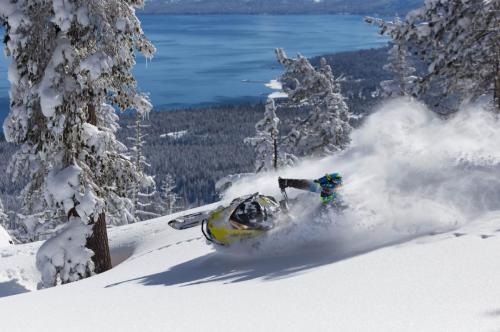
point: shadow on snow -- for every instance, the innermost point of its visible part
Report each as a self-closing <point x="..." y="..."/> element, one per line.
<point x="218" y="267"/>
<point x="11" y="287"/>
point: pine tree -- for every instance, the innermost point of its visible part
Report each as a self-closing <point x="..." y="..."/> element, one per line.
<point x="4" y="218"/>
<point x="399" y="63"/>
<point x="141" y="197"/>
<point x="265" y="142"/>
<point x="326" y="130"/>
<point x="460" y="41"/>
<point x="34" y="227"/>
<point x="70" y="62"/>
<point x="404" y="80"/>
<point x="169" y="199"/>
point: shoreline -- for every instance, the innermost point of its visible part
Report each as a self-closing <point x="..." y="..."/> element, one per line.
<point x="157" y="13"/>
<point x="255" y="100"/>
<point x="223" y="101"/>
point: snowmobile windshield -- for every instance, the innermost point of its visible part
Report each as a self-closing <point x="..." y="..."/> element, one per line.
<point x="250" y="215"/>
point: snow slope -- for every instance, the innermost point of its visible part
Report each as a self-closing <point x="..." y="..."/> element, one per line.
<point x="5" y="239"/>
<point x="18" y="271"/>
<point x="416" y="250"/>
<point x="173" y="281"/>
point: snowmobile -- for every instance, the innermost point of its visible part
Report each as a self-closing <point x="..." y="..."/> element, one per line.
<point x="245" y="217"/>
<point x="253" y="215"/>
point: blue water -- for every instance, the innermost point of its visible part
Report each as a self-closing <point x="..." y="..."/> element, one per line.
<point x="206" y="59"/>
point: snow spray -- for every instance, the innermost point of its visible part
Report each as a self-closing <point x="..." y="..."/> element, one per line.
<point x="407" y="173"/>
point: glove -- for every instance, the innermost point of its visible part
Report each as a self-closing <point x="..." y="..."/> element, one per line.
<point x="282" y="183"/>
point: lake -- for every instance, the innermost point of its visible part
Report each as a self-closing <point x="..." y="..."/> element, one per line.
<point x="210" y="59"/>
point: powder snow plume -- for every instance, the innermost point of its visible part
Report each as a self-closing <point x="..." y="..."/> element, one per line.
<point x="407" y="173"/>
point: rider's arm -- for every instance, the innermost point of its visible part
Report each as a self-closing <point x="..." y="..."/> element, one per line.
<point x="301" y="184"/>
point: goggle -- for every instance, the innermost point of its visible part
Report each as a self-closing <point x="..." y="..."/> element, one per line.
<point x="328" y="179"/>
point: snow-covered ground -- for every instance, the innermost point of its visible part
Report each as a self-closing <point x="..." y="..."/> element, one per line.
<point x="416" y="250"/>
<point x="278" y="90"/>
<point x="175" y="134"/>
<point x="173" y="281"/>
<point x="5" y="239"/>
<point x="18" y="273"/>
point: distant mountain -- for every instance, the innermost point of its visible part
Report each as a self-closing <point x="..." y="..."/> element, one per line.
<point x="386" y="7"/>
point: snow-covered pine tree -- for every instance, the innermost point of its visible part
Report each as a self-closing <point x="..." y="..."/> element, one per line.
<point x="168" y="197"/>
<point x="33" y="227"/>
<point x="27" y="228"/>
<point x="460" y="40"/>
<point x="146" y="208"/>
<point x="399" y="63"/>
<point x="265" y="142"/>
<point x="4" y="218"/>
<point x="326" y="130"/>
<point x="71" y="60"/>
<point x="141" y="200"/>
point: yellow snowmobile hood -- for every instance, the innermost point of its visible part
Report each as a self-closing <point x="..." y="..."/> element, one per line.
<point x="222" y="231"/>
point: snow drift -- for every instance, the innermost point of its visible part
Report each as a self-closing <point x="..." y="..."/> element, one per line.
<point x="407" y="173"/>
<point x="5" y="239"/>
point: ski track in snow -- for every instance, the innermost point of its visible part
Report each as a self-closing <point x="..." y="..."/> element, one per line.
<point x="415" y="248"/>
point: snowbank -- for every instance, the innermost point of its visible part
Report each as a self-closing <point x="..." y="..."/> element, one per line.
<point x="5" y="239"/>
<point x="274" y="85"/>
<point x="436" y="283"/>
<point x="64" y="255"/>
<point x="18" y="272"/>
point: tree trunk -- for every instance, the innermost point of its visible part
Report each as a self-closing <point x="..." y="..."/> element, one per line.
<point x="135" y="188"/>
<point x="92" y="115"/>
<point x="275" y="154"/>
<point x="497" y="91"/>
<point x="98" y="243"/>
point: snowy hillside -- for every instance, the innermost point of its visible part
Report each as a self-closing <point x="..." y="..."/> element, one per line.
<point x="5" y="239"/>
<point x="174" y="281"/>
<point x="415" y="250"/>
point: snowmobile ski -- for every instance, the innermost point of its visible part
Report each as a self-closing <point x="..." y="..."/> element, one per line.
<point x="188" y="221"/>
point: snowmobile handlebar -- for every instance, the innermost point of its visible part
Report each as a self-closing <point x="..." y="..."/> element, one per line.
<point x="283" y="185"/>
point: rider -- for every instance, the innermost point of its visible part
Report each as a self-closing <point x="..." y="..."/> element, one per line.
<point x="252" y="215"/>
<point x="327" y="185"/>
